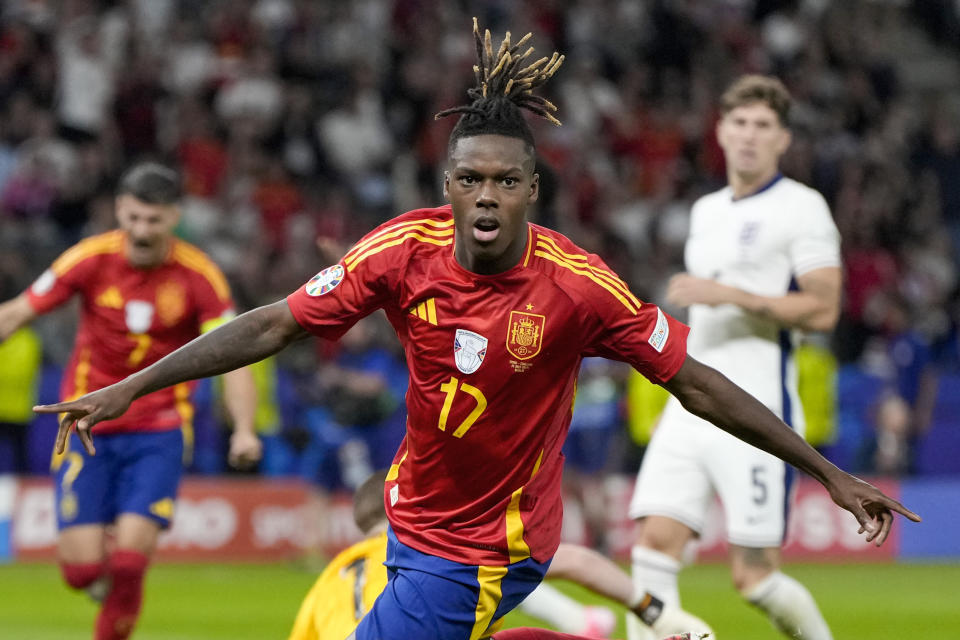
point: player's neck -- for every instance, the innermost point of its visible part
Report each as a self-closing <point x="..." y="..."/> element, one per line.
<point x="747" y="184"/>
<point x="148" y="259"/>
<point x="505" y="262"/>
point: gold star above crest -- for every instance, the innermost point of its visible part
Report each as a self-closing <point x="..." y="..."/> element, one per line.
<point x="529" y="307"/>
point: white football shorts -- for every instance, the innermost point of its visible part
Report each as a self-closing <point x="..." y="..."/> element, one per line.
<point x="689" y="461"/>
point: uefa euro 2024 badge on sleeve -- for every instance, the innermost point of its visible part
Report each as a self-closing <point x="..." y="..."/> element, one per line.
<point x="325" y="281"/>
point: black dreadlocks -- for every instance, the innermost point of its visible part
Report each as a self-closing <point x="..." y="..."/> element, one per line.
<point x="502" y="89"/>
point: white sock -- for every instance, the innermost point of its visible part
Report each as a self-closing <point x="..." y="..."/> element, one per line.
<point x="657" y="573"/>
<point x="553" y="607"/>
<point x="790" y="607"/>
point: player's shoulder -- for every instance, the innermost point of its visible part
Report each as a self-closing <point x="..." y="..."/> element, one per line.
<point x="719" y="197"/>
<point x="581" y="274"/>
<point x="802" y="202"/>
<point x="710" y="203"/>
<point x="373" y="547"/>
<point x="796" y="189"/>
<point x="190" y="256"/>
<point x="102" y="244"/>
<point x="193" y="261"/>
<point x="419" y="230"/>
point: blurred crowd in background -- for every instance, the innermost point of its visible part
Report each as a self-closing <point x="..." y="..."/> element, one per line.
<point x="299" y="125"/>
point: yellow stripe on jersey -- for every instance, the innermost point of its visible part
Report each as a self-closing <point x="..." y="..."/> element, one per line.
<point x="426" y="310"/>
<point x="580" y="260"/>
<point x="80" y="381"/>
<point x="110" y="242"/>
<point x="491" y="592"/>
<point x="536" y="466"/>
<point x="565" y="264"/>
<point x="516" y="545"/>
<point x="181" y="392"/>
<point x="440" y="238"/>
<point x="81" y="374"/>
<point x="394" y="472"/>
<point x="393" y="230"/>
<point x="526" y="258"/>
<point x="432" y="311"/>
<point x="196" y="260"/>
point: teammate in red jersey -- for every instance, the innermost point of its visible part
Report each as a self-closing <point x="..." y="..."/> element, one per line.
<point x="143" y="294"/>
<point x="495" y="315"/>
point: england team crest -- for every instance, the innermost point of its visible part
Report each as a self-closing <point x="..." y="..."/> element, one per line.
<point x="325" y="281"/>
<point x="525" y="334"/>
<point x="469" y="350"/>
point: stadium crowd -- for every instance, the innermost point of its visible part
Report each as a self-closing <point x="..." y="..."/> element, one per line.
<point x="298" y="125"/>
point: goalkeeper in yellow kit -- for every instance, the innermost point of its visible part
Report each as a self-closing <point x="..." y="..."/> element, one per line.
<point x="346" y="589"/>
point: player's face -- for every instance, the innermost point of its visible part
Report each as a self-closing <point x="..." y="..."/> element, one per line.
<point x="490" y="183"/>
<point x="753" y="139"/>
<point x="149" y="228"/>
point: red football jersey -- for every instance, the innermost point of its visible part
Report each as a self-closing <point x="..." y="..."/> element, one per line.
<point x="493" y="366"/>
<point x="130" y="318"/>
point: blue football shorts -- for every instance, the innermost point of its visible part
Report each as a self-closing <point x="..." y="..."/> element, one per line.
<point x="131" y="473"/>
<point x="431" y="597"/>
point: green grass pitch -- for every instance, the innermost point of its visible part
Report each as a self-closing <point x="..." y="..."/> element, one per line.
<point x="238" y="602"/>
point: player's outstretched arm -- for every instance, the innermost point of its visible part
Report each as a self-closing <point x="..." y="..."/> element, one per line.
<point x="707" y="393"/>
<point x="242" y="341"/>
<point x="14" y="314"/>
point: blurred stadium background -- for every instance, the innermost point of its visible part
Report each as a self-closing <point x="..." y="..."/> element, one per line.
<point x="300" y="124"/>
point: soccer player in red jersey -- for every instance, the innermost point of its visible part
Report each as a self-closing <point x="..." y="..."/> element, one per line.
<point x="495" y="315"/>
<point x="143" y="294"/>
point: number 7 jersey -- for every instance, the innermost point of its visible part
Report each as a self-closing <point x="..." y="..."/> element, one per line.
<point x="493" y="363"/>
<point x="130" y="318"/>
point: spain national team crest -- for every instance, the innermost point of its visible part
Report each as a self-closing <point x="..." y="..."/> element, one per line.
<point x="525" y="334"/>
<point x="469" y="350"/>
<point x="325" y="281"/>
<point x="171" y="302"/>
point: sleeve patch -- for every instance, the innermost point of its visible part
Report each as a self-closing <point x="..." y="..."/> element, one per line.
<point x="44" y="283"/>
<point x="660" y="332"/>
<point x="325" y="281"/>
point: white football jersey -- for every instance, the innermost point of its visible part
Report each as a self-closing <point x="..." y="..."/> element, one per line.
<point x="759" y="243"/>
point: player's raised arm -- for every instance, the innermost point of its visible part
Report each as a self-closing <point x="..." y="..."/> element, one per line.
<point x="707" y="393"/>
<point x="242" y="341"/>
<point x="14" y="314"/>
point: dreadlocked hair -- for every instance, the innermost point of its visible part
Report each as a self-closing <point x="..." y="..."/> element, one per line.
<point x="502" y="88"/>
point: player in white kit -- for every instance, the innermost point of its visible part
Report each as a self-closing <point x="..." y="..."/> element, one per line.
<point x="763" y="260"/>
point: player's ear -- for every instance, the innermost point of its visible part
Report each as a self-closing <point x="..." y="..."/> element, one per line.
<point x="534" y="189"/>
<point x="785" y="142"/>
<point x="173" y="215"/>
<point x="446" y="185"/>
<point x="718" y="131"/>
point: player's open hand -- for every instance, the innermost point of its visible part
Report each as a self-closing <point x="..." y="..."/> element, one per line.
<point x="245" y="449"/>
<point x="86" y="411"/>
<point x="872" y="508"/>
